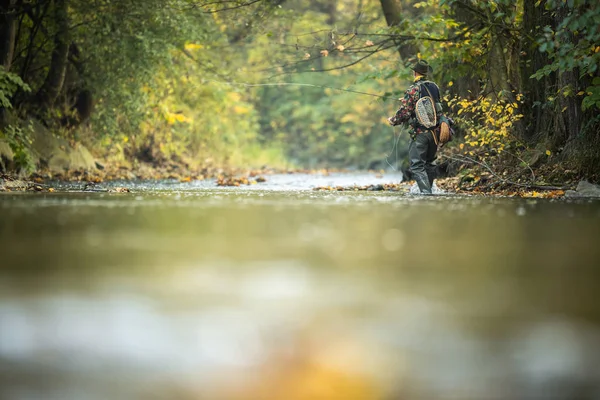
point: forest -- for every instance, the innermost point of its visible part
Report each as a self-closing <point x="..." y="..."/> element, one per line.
<point x="298" y="84"/>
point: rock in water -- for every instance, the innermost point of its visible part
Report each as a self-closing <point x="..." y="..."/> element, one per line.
<point x="584" y="189"/>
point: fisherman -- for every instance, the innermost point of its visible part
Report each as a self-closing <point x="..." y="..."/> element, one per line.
<point x="424" y="141"/>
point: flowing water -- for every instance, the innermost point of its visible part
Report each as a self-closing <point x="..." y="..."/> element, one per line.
<point x="275" y="291"/>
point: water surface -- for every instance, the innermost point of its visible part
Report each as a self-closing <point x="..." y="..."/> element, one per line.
<point x="276" y="291"/>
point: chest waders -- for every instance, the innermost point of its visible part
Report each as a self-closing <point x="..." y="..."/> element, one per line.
<point x="422" y="152"/>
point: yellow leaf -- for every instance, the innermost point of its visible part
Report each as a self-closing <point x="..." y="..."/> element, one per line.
<point x="241" y="109"/>
<point x="340" y="47"/>
<point x="347" y="118"/>
<point x="580" y="93"/>
<point x="306" y="56"/>
<point x="234" y="96"/>
<point x="324" y="53"/>
<point x="193" y="46"/>
<point x="369" y="43"/>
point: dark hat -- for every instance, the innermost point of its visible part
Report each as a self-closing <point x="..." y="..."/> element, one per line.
<point x="422" y="67"/>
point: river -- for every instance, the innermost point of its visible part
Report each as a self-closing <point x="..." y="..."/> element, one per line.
<point x="276" y="291"/>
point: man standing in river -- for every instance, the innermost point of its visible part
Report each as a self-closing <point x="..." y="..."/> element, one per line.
<point x="423" y="144"/>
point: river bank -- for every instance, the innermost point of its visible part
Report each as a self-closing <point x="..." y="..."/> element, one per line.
<point x="471" y="182"/>
<point x="57" y="162"/>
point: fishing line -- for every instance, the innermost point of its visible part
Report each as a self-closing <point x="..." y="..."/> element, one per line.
<point x="298" y="84"/>
<point x="395" y="137"/>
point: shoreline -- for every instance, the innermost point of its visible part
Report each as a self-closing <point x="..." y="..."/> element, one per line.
<point x="92" y="182"/>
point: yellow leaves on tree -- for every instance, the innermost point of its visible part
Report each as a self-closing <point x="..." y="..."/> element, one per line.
<point x="172" y="118"/>
<point x="193" y="46"/>
<point x="241" y="109"/>
<point x="488" y="124"/>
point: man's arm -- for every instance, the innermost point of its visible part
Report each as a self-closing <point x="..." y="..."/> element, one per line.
<point x="407" y="106"/>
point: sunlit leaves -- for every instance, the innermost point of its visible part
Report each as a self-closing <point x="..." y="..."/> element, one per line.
<point x="488" y="124"/>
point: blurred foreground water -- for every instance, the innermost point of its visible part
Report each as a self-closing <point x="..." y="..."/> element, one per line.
<point x="184" y="291"/>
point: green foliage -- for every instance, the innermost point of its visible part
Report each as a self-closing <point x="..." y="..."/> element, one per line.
<point x="593" y="95"/>
<point x="316" y="124"/>
<point x="573" y="45"/>
<point x="125" y="45"/>
<point x="9" y="84"/>
<point x="20" y="143"/>
<point x="168" y="77"/>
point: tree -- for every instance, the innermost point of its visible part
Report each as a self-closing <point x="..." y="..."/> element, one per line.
<point x="394" y="16"/>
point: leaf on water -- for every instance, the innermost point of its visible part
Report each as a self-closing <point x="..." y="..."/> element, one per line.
<point x="120" y="190"/>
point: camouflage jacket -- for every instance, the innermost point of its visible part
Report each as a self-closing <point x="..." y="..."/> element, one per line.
<point x="406" y="112"/>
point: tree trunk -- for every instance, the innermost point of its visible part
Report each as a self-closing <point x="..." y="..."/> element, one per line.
<point x="7" y="32"/>
<point x="568" y="111"/>
<point x="54" y="81"/>
<point x="466" y="83"/>
<point x="498" y="78"/>
<point x="392" y="10"/>
<point x="537" y="117"/>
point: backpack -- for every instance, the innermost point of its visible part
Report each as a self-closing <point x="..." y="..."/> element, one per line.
<point x="426" y="111"/>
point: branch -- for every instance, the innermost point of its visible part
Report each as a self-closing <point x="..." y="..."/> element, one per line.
<point x="379" y="48"/>
<point x="506" y="181"/>
<point x="228" y="8"/>
<point x="200" y="63"/>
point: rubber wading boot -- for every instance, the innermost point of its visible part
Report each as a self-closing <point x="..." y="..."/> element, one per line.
<point x="423" y="183"/>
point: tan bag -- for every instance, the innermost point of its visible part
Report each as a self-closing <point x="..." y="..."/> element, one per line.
<point x="445" y="133"/>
